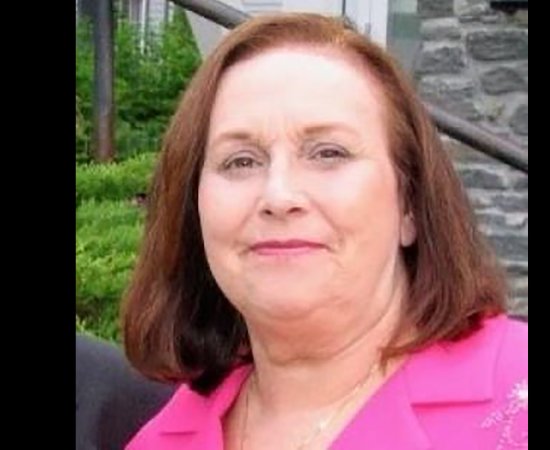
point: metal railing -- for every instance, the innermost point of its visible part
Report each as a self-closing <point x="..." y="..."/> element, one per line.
<point x="229" y="17"/>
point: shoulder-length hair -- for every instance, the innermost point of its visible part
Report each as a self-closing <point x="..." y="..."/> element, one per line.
<point x="177" y="323"/>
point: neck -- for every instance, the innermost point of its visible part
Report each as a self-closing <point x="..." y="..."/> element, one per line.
<point x="297" y="370"/>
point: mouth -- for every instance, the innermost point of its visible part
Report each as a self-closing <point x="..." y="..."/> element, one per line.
<point x="290" y="247"/>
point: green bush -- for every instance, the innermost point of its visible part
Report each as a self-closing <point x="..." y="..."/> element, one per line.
<point x="107" y="238"/>
<point x="116" y="181"/>
<point x="108" y="231"/>
<point x="149" y="80"/>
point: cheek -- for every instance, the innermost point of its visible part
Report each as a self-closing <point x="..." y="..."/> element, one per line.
<point x="214" y="209"/>
<point x="364" y="200"/>
<point x="223" y="207"/>
<point x="365" y="214"/>
<point x="217" y="218"/>
<point x="223" y="210"/>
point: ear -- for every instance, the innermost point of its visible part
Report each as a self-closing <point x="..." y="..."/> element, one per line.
<point x="408" y="230"/>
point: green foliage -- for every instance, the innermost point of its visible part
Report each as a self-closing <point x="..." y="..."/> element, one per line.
<point x="107" y="238"/>
<point x="117" y="181"/>
<point x="83" y="131"/>
<point x="84" y="79"/>
<point x="109" y="226"/>
<point x="150" y="75"/>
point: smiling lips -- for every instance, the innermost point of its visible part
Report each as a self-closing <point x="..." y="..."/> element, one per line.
<point x="286" y="247"/>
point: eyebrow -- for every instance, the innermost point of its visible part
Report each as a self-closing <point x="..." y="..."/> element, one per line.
<point x="311" y="130"/>
<point x="323" y="128"/>
<point x="235" y="135"/>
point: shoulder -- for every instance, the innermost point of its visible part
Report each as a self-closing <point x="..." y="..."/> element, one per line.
<point x="500" y="347"/>
<point x="475" y="388"/>
<point x="493" y="354"/>
<point x="101" y="367"/>
<point x="507" y="417"/>
<point x="513" y="351"/>
<point x="510" y="338"/>
<point x="94" y="357"/>
<point x="497" y="352"/>
<point x="112" y="400"/>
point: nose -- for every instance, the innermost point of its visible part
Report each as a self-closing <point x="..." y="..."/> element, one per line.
<point x="282" y="195"/>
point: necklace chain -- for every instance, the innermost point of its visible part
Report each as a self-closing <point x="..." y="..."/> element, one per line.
<point x="322" y="424"/>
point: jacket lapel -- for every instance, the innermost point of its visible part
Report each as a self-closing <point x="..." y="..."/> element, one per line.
<point x="193" y="422"/>
<point x="386" y="422"/>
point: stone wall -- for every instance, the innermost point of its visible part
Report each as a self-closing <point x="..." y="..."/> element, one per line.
<point x="474" y="63"/>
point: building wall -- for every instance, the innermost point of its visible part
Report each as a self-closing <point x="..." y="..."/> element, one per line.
<point x="473" y="61"/>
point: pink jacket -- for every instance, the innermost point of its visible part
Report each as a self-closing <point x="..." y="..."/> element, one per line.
<point x="468" y="395"/>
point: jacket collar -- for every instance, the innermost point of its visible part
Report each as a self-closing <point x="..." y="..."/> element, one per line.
<point x="188" y="411"/>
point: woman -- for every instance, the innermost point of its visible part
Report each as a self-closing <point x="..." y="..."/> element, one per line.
<point x="311" y="271"/>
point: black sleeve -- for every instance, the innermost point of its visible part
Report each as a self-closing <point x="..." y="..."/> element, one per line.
<point x="113" y="401"/>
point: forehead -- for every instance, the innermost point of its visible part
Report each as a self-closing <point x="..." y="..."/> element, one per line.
<point x="313" y="82"/>
<point x="317" y="66"/>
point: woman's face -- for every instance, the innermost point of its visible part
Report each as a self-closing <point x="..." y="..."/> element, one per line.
<point x="298" y="198"/>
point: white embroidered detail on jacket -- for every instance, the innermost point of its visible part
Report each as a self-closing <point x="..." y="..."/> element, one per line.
<point x="517" y="401"/>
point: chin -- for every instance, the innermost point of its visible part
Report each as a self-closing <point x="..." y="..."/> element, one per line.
<point x="287" y="302"/>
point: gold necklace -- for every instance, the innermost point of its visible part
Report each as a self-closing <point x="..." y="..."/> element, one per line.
<point x="323" y="424"/>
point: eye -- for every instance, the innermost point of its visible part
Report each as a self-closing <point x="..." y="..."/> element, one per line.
<point x="241" y="163"/>
<point x="329" y="153"/>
